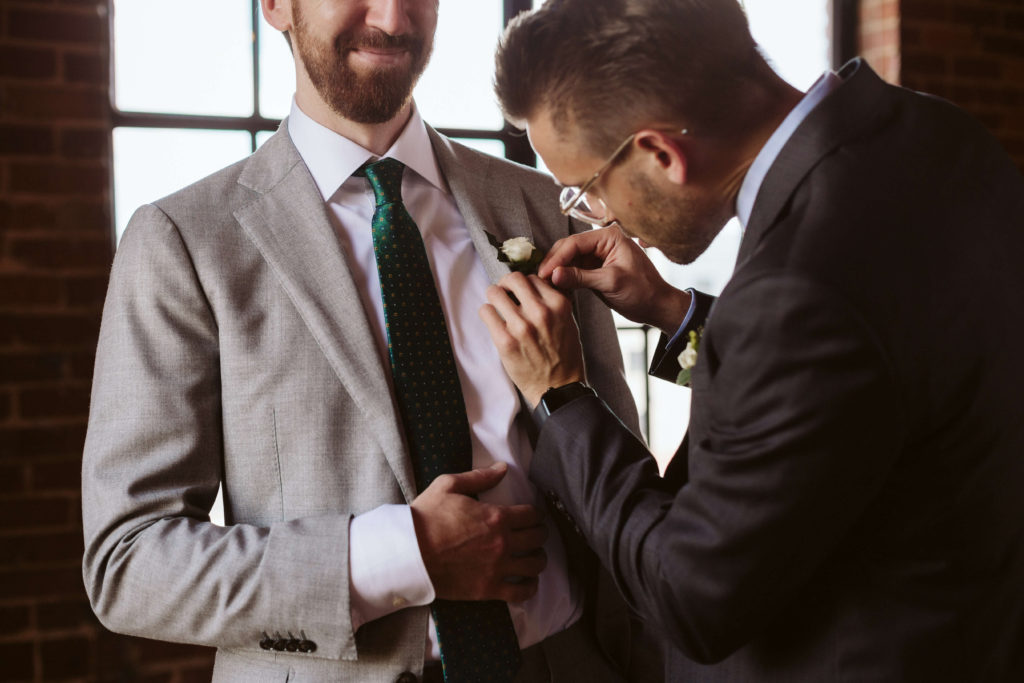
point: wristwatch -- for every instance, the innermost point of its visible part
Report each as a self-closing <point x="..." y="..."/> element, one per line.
<point x="556" y="397"/>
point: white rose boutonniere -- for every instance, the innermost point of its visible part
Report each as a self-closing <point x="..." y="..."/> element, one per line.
<point x="518" y="252"/>
<point x="688" y="358"/>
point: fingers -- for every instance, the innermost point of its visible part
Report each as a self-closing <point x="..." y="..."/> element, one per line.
<point x="526" y="566"/>
<point x="593" y="243"/>
<point x="498" y="295"/>
<point x="529" y="294"/>
<point x="474" y="481"/>
<point x="496" y="326"/>
<point x="525" y="541"/>
<point x="588" y="260"/>
<point x="518" y="517"/>
<point x="552" y="297"/>
<point x="569" y="277"/>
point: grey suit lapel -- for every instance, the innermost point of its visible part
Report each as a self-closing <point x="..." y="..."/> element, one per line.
<point x="485" y="202"/>
<point x="856" y="105"/>
<point x="289" y="226"/>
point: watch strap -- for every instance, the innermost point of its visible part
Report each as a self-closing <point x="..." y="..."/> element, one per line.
<point x="556" y="397"/>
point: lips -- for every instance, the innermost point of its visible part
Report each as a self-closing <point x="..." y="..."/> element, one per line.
<point x="380" y="49"/>
<point x="382" y="56"/>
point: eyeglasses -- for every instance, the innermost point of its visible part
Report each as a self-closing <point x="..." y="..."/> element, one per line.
<point x="574" y="201"/>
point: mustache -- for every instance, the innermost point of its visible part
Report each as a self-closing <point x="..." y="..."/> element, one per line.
<point x="376" y="39"/>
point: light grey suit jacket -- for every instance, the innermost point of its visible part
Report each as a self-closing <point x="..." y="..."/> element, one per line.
<point x="234" y="351"/>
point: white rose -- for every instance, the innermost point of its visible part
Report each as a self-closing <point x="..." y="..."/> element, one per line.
<point x="517" y="249"/>
<point x="688" y="358"/>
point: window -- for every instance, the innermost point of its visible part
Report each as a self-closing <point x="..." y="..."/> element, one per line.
<point x="190" y="97"/>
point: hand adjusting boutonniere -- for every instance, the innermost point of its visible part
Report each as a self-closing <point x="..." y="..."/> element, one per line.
<point x="518" y="252"/>
<point x="688" y="358"/>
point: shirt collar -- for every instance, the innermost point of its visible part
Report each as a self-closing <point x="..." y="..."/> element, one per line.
<point x="828" y="82"/>
<point x="332" y="158"/>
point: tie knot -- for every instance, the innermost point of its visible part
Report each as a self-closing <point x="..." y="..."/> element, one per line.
<point x="385" y="176"/>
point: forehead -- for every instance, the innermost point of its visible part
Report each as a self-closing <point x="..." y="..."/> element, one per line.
<point x="561" y="148"/>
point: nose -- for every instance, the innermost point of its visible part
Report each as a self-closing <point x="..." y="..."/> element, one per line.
<point x="390" y="16"/>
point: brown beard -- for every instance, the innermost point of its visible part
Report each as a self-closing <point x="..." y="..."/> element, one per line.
<point x="681" y="228"/>
<point x="375" y="96"/>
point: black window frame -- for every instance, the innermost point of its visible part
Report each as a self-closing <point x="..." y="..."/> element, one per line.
<point x="517" y="146"/>
<point x="844" y="25"/>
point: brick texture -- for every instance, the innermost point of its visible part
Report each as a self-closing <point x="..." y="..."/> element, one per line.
<point x="970" y="52"/>
<point x="55" y="254"/>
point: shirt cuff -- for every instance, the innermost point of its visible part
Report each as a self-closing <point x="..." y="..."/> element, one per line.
<point x="386" y="570"/>
<point x="686" y="321"/>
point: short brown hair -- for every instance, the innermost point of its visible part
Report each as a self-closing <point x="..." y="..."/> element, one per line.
<point x="613" y="66"/>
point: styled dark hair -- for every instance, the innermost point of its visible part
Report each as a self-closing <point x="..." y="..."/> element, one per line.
<point x="612" y="66"/>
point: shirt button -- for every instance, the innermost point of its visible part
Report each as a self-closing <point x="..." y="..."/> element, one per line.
<point x="399" y="602"/>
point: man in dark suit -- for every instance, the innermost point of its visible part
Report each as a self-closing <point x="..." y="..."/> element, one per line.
<point x="849" y="502"/>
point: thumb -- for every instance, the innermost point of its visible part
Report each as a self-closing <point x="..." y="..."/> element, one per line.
<point x="478" y="480"/>
<point x="570" y="277"/>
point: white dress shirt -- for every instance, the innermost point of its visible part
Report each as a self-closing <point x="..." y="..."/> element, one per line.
<point x="386" y="570"/>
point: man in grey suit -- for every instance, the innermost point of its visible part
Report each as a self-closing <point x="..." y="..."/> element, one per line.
<point x="243" y="345"/>
<point x="847" y="504"/>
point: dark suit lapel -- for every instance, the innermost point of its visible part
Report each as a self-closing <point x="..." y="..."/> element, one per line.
<point x="857" y="104"/>
<point x="487" y="203"/>
<point x="289" y="226"/>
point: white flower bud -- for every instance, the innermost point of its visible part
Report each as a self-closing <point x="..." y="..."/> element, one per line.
<point x="517" y="249"/>
<point x="688" y="358"/>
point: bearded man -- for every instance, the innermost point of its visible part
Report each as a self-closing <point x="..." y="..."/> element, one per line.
<point x="257" y="337"/>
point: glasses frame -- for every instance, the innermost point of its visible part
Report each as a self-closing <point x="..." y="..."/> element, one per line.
<point x="572" y="195"/>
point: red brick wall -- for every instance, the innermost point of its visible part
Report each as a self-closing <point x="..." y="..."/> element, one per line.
<point x="880" y="37"/>
<point x="55" y="252"/>
<point x="970" y="52"/>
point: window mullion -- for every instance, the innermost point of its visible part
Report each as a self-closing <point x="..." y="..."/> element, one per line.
<point x="255" y="66"/>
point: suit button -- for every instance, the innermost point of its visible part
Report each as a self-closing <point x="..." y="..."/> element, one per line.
<point x="305" y="644"/>
<point x="292" y="645"/>
<point x="266" y="642"/>
<point x="280" y="644"/>
<point x="406" y="677"/>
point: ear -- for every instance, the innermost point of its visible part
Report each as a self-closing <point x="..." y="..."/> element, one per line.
<point x="278" y="13"/>
<point x="666" y="153"/>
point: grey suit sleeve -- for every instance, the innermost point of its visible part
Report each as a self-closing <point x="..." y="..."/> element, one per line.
<point x="780" y="466"/>
<point x="154" y="565"/>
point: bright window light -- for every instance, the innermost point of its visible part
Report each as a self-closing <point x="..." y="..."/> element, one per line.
<point x="166" y="61"/>
<point x="456" y="90"/>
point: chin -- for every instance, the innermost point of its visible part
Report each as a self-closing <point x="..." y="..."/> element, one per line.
<point x="680" y="258"/>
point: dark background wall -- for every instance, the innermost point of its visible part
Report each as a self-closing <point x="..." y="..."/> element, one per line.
<point x="968" y="51"/>
<point x="55" y="254"/>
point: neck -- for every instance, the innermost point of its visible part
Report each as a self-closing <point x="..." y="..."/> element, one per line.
<point x="772" y="107"/>
<point x="376" y="137"/>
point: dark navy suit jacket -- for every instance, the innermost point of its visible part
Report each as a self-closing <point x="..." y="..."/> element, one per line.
<point x="849" y="502"/>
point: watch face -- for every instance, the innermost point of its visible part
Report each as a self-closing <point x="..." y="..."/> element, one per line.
<point x="555" y="398"/>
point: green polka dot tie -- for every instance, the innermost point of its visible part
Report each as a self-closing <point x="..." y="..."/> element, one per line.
<point x="478" y="641"/>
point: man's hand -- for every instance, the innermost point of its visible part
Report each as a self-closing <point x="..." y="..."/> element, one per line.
<point x="537" y="338"/>
<point x="474" y="550"/>
<point x="612" y="265"/>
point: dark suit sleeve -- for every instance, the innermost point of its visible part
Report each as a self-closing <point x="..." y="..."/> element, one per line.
<point x="795" y="426"/>
<point x="665" y="364"/>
